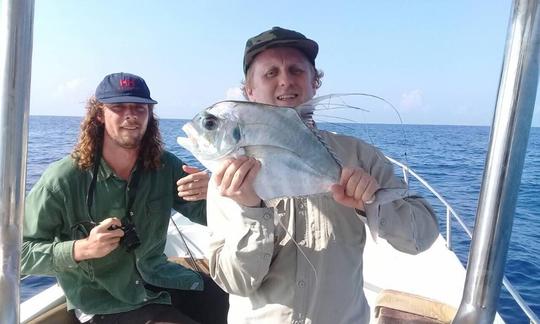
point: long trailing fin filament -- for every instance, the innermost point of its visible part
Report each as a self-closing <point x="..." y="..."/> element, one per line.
<point x="300" y="249"/>
<point x="356" y="113"/>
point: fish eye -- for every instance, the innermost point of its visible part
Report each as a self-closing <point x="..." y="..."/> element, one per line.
<point x="236" y="134"/>
<point x="210" y="123"/>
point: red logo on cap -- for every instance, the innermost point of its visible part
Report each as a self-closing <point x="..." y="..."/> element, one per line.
<point x="127" y="83"/>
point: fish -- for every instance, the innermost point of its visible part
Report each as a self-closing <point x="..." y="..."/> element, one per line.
<point x="295" y="160"/>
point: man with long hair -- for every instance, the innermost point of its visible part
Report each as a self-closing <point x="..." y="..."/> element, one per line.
<point x="98" y="218"/>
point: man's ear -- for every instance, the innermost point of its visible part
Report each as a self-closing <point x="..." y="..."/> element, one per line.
<point x="99" y="116"/>
<point x="248" y="92"/>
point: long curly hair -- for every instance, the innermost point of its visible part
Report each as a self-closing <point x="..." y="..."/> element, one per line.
<point x="91" y="138"/>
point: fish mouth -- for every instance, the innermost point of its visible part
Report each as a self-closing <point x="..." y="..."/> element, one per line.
<point x="188" y="142"/>
<point x="189" y="130"/>
<point x="195" y="143"/>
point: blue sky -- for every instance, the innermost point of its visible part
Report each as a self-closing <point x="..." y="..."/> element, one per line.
<point x="438" y="62"/>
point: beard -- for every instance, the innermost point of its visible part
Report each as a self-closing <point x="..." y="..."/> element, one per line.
<point x="127" y="139"/>
<point x="126" y="136"/>
<point x="128" y="142"/>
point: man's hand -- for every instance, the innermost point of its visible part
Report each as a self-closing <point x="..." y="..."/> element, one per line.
<point x="194" y="186"/>
<point x="100" y="242"/>
<point x="234" y="179"/>
<point x="356" y="188"/>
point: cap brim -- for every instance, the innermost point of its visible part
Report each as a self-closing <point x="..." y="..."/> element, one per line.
<point x="309" y="47"/>
<point x="126" y="99"/>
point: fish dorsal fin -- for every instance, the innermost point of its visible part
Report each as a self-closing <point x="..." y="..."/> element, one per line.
<point x="305" y="111"/>
<point x="311" y="111"/>
<point x="325" y="144"/>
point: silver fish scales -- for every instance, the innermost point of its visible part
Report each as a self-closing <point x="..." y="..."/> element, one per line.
<point x="294" y="160"/>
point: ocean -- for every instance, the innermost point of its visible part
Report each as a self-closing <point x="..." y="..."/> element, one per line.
<point x="450" y="158"/>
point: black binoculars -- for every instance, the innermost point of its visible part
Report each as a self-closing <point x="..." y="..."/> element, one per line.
<point x="130" y="240"/>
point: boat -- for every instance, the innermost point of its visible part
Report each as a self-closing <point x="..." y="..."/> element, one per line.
<point x="388" y="273"/>
<point x="399" y="287"/>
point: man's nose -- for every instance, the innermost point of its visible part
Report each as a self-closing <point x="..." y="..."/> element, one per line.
<point x="285" y="80"/>
<point x="131" y="112"/>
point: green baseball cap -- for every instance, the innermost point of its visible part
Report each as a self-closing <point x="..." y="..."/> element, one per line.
<point x="279" y="37"/>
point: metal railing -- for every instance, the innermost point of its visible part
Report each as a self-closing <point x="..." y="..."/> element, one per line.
<point x="450" y="212"/>
<point x="16" y="32"/>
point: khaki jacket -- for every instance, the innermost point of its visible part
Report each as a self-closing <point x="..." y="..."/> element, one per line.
<point x="317" y="276"/>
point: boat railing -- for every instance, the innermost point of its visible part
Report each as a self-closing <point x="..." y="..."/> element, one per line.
<point x="450" y="212"/>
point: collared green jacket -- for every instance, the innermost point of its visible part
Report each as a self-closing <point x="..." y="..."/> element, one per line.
<point x="114" y="283"/>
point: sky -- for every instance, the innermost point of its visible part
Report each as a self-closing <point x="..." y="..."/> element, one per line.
<point x="437" y="62"/>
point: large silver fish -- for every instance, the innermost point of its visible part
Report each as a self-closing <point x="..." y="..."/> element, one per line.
<point x="294" y="160"/>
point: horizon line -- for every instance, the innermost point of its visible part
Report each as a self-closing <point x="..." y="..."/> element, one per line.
<point x="409" y="124"/>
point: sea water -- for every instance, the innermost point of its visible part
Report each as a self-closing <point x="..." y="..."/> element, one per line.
<point x="450" y="158"/>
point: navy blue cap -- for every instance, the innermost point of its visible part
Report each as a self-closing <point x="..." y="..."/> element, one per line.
<point x="123" y="88"/>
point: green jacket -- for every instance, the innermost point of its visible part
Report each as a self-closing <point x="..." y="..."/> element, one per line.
<point x="114" y="283"/>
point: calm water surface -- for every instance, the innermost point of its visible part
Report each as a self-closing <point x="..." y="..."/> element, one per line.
<point x="450" y="158"/>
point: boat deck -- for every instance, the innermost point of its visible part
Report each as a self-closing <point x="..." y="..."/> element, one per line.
<point x="435" y="274"/>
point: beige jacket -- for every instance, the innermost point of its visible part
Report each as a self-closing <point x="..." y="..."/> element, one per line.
<point x="317" y="277"/>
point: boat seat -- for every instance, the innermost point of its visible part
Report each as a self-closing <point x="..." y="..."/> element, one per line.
<point x="397" y="307"/>
<point x="58" y="314"/>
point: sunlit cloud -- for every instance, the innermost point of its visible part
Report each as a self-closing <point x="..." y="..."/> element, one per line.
<point x="412" y="100"/>
<point x="234" y="93"/>
<point x="69" y="87"/>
